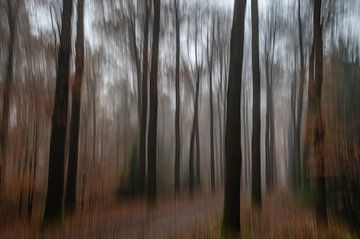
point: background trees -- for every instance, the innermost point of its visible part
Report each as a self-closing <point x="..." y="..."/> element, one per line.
<point x="155" y="88"/>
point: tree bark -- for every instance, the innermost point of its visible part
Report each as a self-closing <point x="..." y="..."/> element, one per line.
<point x="144" y="104"/>
<point x="152" y="136"/>
<point x="320" y="203"/>
<point x="55" y="188"/>
<point x="4" y="127"/>
<point x="210" y="55"/>
<point x="70" y="195"/>
<point x="233" y="158"/>
<point x="255" y="144"/>
<point x="177" y="96"/>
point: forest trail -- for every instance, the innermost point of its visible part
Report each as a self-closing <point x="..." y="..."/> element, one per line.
<point x="199" y="217"/>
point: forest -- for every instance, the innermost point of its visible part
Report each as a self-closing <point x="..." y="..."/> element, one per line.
<point x="180" y="119"/>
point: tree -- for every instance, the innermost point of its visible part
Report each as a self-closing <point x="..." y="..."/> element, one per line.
<point x="152" y="135"/>
<point x="233" y="160"/>
<point x="269" y="51"/>
<point x="144" y="98"/>
<point x="55" y="187"/>
<point x="70" y="195"/>
<point x="210" y="56"/>
<point x="12" y="7"/>
<point x="177" y="95"/>
<point x="194" y="137"/>
<point x="320" y="203"/>
<point x="255" y="143"/>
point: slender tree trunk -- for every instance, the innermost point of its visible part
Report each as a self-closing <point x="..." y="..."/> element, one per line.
<point x="198" y="159"/>
<point x="152" y="136"/>
<point x="297" y="140"/>
<point x="269" y="170"/>
<point x="210" y="63"/>
<point x="309" y="120"/>
<point x="321" y="210"/>
<point x="233" y="158"/>
<point x="193" y="136"/>
<point x="177" y="95"/>
<point x="70" y="195"/>
<point x="144" y="104"/>
<point x="4" y="127"/>
<point x="55" y="188"/>
<point x="255" y="143"/>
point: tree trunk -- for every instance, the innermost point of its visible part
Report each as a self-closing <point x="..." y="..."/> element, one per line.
<point x="144" y="104"/>
<point x="193" y="135"/>
<point x="177" y="95"/>
<point x="152" y="136"/>
<point x="70" y="195"/>
<point x="210" y="47"/>
<point x="320" y="202"/>
<point x="12" y="22"/>
<point x="255" y="144"/>
<point x="55" y="188"/>
<point x="233" y="158"/>
<point x="198" y="159"/>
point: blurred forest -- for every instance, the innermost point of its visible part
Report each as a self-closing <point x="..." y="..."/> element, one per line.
<point x="179" y="119"/>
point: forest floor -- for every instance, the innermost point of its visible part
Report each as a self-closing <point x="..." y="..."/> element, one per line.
<point x="197" y="217"/>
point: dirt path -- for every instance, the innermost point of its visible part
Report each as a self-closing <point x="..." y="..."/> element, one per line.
<point x="185" y="218"/>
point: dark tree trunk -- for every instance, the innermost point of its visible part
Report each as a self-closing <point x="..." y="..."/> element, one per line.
<point x="144" y="103"/>
<point x="177" y="95"/>
<point x="152" y="136"/>
<point x="233" y="158"/>
<point x="309" y="120"/>
<point x="12" y="22"/>
<point x="269" y="159"/>
<point x="255" y="143"/>
<point x="297" y="136"/>
<point x="210" y="53"/>
<point x="194" y="176"/>
<point x="270" y="127"/>
<point x="70" y="195"/>
<point x="320" y="202"/>
<point x="198" y="159"/>
<point x="55" y="188"/>
<point x="193" y="135"/>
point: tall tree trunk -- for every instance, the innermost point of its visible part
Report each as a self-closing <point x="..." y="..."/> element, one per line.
<point x="210" y="53"/>
<point x="177" y="95"/>
<point x="198" y="159"/>
<point x="193" y="135"/>
<point x="297" y="139"/>
<point x="55" y="187"/>
<point x="4" y="127"/>
<point x="144" y="104"/>
<point x="319" y="128"/>
<point x="308" y="141"/>
<point x="233" y="158"/>
<point x="70" y="195"/>
<point x="269" y="162"/>
<point x="152" y="136"/>
<point x="255" y="143"/>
